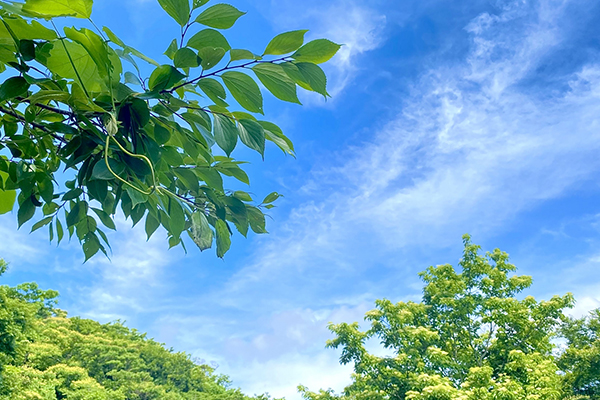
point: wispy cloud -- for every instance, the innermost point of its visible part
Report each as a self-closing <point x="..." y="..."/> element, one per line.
<point x="475" y="144"/>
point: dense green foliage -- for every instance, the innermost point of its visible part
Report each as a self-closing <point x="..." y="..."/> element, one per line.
<point x="46" y="356"/>
<point x="157" y="146"/>
<point x="472" y="337"/>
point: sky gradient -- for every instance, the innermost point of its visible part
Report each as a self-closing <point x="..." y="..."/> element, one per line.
<point x="478" y="117"/>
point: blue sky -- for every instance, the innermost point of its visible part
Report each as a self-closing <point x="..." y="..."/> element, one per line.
<point x="478" y="117"/>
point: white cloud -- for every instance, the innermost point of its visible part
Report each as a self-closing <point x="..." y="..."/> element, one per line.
<point x="356" y="25"/>
<point x="473" y="146"/>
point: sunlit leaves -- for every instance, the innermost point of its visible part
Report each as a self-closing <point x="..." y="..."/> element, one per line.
<point x="179" y="10"/>
<point x="223" y="238"/>
<point x="317" y="52"/>
<point x="208" y="38"/>
<point x="226" y="133"/>
<point x="244" y="90"/>
<point x="186" y="58"/>
<point x="277" y="81"/>
<point x="252" y="135"/>
<point x="147" y="146"/>
<point x="59" y="8"/>
<point x="164" y="77"/>
<point x="220" y="16"/>
<point x="285" y="43"/>
<point x="95" y="47"/>
<point x="200" y="232"/>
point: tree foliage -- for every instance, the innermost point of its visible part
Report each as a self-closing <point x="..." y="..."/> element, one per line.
<point x="45" y="355"/>
<point x="157" y="147"/>
<point x="472" y="337"/>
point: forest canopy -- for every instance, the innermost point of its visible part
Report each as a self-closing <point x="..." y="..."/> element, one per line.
<point x="474" y="336"/>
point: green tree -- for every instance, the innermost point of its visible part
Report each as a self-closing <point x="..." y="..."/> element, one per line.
<point x="469" y="338"/>
<point x="157" y="146"/>
<point x="581" y="359"/>
<point x="46" y="356"/>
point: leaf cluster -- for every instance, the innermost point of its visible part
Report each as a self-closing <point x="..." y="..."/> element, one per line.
<point x="473" y="336"/>
<point x="158" y="148"/>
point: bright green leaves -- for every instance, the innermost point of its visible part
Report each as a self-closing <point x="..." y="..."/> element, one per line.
<point x="277" y="81"/>
<point x="164" y="77"/>
<point x="285" y="43"/>
<point x="7" y="200"/>
<point x="73" y="61"/>
<point x="186" y="58"/>
<point x="317" y="52"/>
<point x="59" y="8"/>
<point x="223" y="238"/>
<point x="252" y="135"/>
<point x="226" y="133"/>
<point x="7" y="197"/>
<point x="208" y="38"/>
<point x="95" y="47"/>
<point x="13" y="87"/>
<point x="179" y="10"/>
<point x="210" y="56"/>
<point x="244" y="90"/>
<point x="214" y="90"/>
<point x="220" y="16"/>
<point x="147" y="146"/>
<point x="308" y="76"/>
<point x="200" y="231"/>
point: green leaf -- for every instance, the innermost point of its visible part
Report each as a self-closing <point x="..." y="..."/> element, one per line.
<point x="95" y="47"/>
<point x="7" y="200"/>
<point x="60" y="64"/>
<point x="257" y="221"/>
<point x="91" y="245"/>
<point x="172" y="49"/>
<point x="210" y="56"/>
<point x="136" y="196"/>
<point x="252" y="135"/>
<point x="60" y="233"/>
<point x="220" y="16"/>
<point x="41" y="224"/>
<point x="101" y="171"/>
<point x="244" y="90"/>
<point x="26" y="211"/>
<point x="240" y="54"/>
<point x="179" y="10"/>
<point x="223" y="238"/>
<point x="128" y="49"/>
<point x="200" y="231"/>
<point x="208" y="38"/>
<point x="27" y="49"/>
<point x="277" y="81"/>
<point x="164" y="77"/>
<point x="72" y="194"/>
<point x="13" y="87"/>
<point x="59" y="8"/>
<point x="274" y="134"/>
<point x="176" y="218"/>
<point x="271" y="198"/>
<point x="186" y="58"/>
<point x="152" y="225"/>
<point x="199" y="3"/>
<point x="317" y="52"/>
<point x="242" y="195"/>
<point x="226" y="133"/>
<point x="285" y="43"/>
<point x="309" y="76"/>
<point x="214" y="90"/>
<point x="77" y="213"/>
<point x="105" y="218"/>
